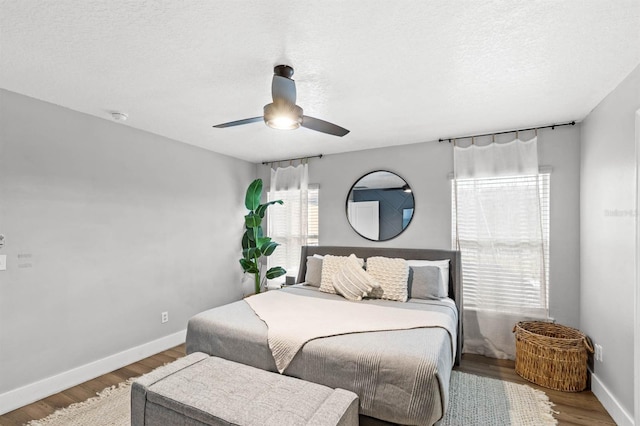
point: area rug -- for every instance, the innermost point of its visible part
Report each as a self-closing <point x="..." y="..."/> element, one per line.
<point x="110" y="407"/>
<point x="473" y="400"/>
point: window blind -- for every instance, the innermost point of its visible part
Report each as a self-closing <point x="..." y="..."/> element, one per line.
<point x="313" y="225"/>
<point x="501" y="267"/>
<point x="285" y="227"/>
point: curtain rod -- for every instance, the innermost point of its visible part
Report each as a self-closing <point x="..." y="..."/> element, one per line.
<point x="292" y="159"/>
<point x="550" y="126"/>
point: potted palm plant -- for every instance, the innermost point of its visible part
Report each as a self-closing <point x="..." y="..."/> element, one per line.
<point x="255" y="244"/>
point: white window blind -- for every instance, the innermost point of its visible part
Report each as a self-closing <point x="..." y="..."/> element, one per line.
<point x="285" y="227"/>
<point x="501" y="267"/>
<point x="313" y="230"/>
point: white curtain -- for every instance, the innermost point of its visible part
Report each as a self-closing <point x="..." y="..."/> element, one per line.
<point x="498" y="229"/>
<point x="287" y="223"/>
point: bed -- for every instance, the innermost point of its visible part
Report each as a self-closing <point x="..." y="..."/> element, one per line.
<point x="400" y="376"/>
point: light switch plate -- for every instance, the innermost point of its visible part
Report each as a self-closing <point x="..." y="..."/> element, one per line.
<point x="3" y="262"/>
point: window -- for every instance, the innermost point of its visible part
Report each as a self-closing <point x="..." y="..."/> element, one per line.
<point x="286" y="227"/>
<point x="500" y="261"/>
<point x="313" y="231"/>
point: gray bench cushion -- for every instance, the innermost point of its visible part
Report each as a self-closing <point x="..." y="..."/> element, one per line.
<point x="204" y="390"/>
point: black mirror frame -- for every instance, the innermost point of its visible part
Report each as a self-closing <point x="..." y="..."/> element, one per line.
<point x="346" y="205"/>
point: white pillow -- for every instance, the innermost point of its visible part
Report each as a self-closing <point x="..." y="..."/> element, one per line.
<point x="443" y="266"/>
<point x="331" y="265"/>
<point x="392" y="274"/>
<point x="313" y="275"/>
<point x="353" y="282"/>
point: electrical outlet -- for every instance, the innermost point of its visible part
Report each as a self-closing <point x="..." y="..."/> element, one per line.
<point x="598" y="352"/>
<point x="3" y="262"/>
<point x="601" y="360"/>
<point x="164" y="317"/>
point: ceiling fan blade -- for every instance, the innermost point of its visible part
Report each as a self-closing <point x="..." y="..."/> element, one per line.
<point x="239" y="122"/>
<point x="323" y="126"/>
<point x="283" y="88"/>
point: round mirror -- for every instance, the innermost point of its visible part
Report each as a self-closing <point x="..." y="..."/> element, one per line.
<point x="380" y="205"/>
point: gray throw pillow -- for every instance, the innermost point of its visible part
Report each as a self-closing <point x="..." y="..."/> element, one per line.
<point x="313" y="275"/>
<point x="425" y="282"/>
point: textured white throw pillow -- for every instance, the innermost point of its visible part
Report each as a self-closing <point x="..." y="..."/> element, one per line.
<point x="331" y="265"/>
<point x="353" y="282"/>
<point x="392" y="275"/>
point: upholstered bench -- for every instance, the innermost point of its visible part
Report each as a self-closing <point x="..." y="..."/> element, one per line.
<point x="203" y="390"/>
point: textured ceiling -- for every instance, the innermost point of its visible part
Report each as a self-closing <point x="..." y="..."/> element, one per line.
<point x="392" y="72"/>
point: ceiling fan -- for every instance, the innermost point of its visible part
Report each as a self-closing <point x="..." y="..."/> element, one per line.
<point x="283" y="113"/>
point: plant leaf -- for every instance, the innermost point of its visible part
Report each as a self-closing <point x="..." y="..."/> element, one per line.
<point x="262" y="241"/>
<point x="254" y="193"/>
<point x="246" y="239"/>
<point x="252" y="220"/>
<point x="268" y="248"/>
<point x="248" y="266"/>
<point x="258" y="231"/>
<point x="250" y="234"/>
<point x="262" y="208"/>
<point x="254" y="253"/>
<point x="275" y="272"/>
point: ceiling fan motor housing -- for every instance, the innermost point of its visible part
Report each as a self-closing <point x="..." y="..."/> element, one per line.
<point x="283" y="71"/>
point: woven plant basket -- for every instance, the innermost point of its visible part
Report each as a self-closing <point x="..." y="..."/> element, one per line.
<point x="552" y="355"/>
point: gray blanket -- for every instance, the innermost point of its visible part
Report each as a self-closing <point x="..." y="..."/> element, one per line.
<point x="401" y="376"/>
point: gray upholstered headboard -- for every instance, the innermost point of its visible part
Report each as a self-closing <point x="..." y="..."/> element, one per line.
<point x="455" y="268"/>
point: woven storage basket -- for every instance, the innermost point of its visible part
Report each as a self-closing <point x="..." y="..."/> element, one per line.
<point x="552" y="355"/>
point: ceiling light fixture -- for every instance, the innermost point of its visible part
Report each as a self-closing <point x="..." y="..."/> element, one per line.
<point x="406" y="188"/>
<point x="282" y="115"/>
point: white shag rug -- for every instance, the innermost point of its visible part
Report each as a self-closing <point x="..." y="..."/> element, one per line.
<point x="473" y="400"/>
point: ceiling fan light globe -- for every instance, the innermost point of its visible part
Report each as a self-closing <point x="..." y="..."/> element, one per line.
<point x="283" y="123"/>
<point x="283" y="117"/>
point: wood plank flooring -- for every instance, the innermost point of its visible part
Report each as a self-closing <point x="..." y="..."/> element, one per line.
<point x="573" y="408"/>
<point x="580" y="408"/>
<point x="86" y="390"/>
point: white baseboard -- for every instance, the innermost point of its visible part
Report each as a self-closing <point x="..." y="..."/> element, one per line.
<point x="610" y="403"/>
<point x="32" y="392"/>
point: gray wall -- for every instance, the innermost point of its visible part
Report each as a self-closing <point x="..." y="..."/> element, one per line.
<point x="426" y="168"/>
<point x="106" y="227"/>
<point x="608" y="255"/>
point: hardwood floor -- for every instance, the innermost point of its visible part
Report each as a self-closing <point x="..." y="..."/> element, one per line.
<point x="580" y="408"/>
<point x="84" y="391"/>
<point x="573" y="408"/>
